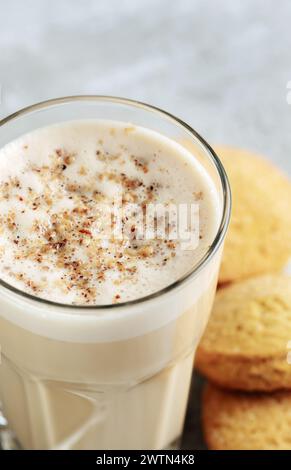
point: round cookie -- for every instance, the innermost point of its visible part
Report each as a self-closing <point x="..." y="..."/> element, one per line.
<point x="258" y="239"/>
<point x="244" y="421"/>
<point x="245" y="345"/>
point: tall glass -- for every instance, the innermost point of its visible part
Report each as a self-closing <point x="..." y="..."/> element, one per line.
<point x="114" y="376"/>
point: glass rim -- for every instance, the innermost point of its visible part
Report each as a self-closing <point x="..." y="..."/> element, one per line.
<point x="226" y="191"/>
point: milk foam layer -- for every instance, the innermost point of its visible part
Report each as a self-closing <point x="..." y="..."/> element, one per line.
<point x="52" y="182"/>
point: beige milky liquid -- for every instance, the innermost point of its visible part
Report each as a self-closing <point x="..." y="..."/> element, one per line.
<point x="101" y="379"/>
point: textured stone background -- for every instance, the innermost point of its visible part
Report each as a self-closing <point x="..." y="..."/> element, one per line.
<point x="221" y="66"/>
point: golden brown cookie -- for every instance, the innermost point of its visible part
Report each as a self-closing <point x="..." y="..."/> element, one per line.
<point x="245" y="345"/>
<point x="244" y="421"/>
<point x="259" y="235"/>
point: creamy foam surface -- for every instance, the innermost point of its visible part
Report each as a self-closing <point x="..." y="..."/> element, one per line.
<point x="53" y="182"/>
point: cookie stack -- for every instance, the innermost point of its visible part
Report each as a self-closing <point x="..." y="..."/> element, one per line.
<point x="244" y="351"/>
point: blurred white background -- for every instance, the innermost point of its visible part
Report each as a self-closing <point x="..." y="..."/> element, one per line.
<point x="221" y="66"/>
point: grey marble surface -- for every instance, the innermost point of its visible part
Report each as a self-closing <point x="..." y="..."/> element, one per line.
<point x="221" y="66"/>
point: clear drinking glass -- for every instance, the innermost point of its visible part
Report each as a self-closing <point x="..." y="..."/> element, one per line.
<point x="114" y="376"/>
